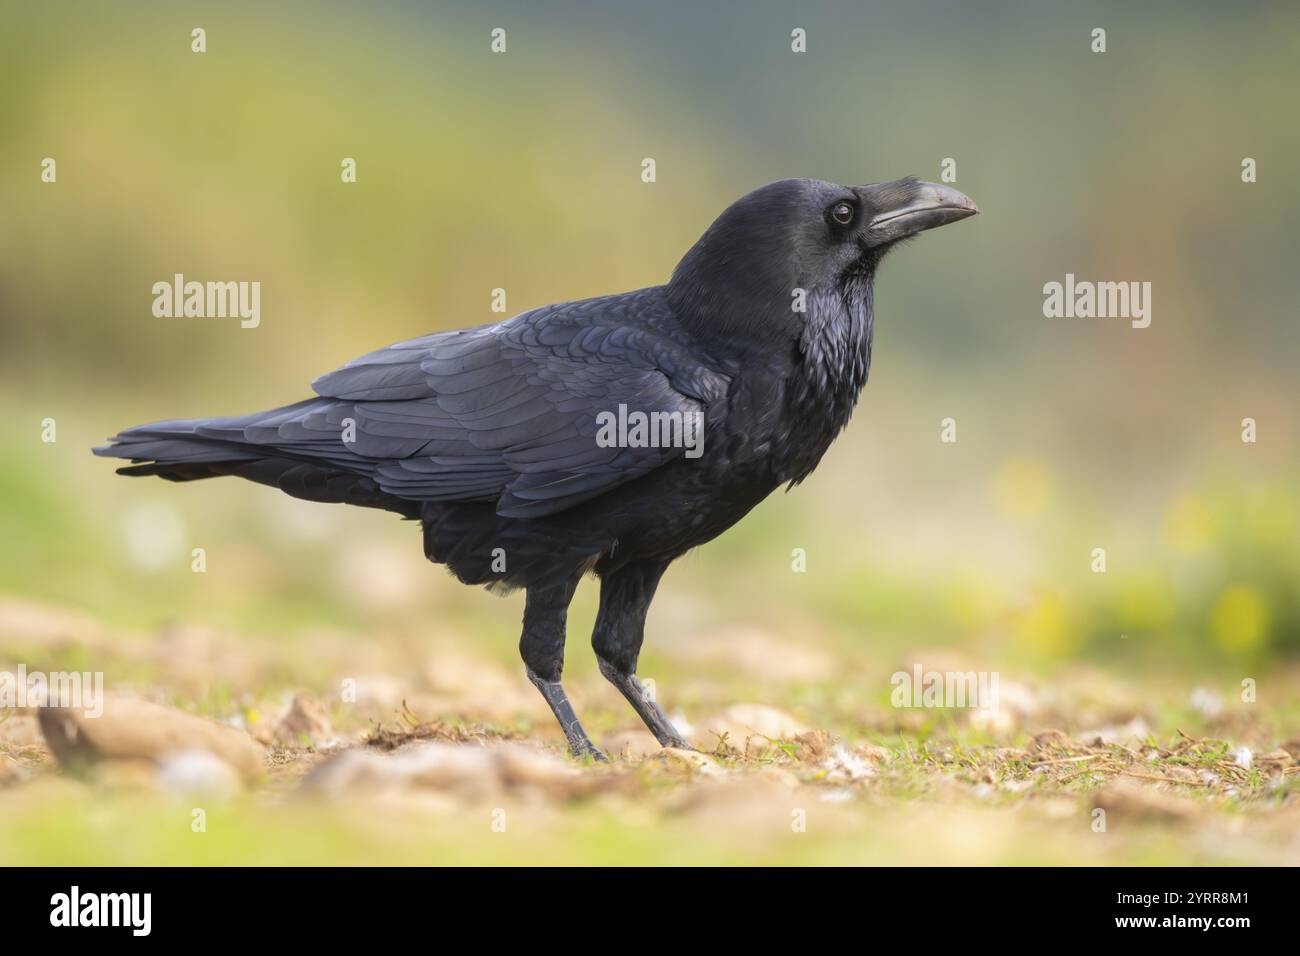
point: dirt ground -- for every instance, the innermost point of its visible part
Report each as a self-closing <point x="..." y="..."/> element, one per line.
<point x="210" y="751"/>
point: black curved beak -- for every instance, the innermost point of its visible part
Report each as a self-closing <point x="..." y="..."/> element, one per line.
<point x="907" y="206"/>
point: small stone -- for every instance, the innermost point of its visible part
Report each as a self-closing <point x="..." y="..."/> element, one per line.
<point x="138" y="730"/>
<point x="632" y="745"/>
<point x="1127" y="800"/>
<point x="750" y="803"/>
<point x="469" y="771"/>
<point x="520" y="767"/>
<point x="197" y="772"/>
<point x="306" y="724"/>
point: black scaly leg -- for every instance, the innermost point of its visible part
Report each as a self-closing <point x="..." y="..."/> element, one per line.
<point x="542" y="647"/>
<point x="625" y="597"/>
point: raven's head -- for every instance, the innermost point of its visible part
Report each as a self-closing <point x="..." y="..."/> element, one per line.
<point x="798" y="240"/>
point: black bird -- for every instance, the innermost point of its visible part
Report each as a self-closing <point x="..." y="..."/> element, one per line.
<point x="501" y="440"/>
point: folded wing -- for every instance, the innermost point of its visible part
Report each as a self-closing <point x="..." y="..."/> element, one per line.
<point x="506" y="413"/>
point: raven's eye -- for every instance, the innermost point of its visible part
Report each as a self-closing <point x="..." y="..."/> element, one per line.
<point x="842" y="213"/>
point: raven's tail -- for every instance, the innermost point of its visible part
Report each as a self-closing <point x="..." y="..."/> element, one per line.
<point x="173" y="450"/>
<point x="184" y="449"/>
<point x="252" y="447"/>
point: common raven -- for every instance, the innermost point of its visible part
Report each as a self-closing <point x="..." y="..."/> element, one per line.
<point x="608" y="435"/>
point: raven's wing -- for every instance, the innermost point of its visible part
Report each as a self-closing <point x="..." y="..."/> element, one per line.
<point x="507" y="412"/>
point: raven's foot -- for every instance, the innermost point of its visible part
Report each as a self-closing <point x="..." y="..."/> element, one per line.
<point x="588" y="751"/>
<point x="643" y="702"/>
<point x="580" y="744"/>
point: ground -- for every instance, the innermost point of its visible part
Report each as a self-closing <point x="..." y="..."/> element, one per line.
<point x="436" y="752"/>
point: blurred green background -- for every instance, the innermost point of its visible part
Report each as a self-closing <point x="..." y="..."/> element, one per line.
<point x="522" y="171"/>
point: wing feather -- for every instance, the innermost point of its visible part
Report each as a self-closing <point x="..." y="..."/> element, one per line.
<point x="505" y="413"/>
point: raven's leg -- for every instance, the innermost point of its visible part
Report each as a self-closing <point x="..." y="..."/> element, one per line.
<point x="625" y="597"/>
<point x="542" y="647"/>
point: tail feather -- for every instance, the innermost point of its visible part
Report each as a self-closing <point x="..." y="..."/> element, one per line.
<point x="194" y="449"/>
<point x="193" y="440"/>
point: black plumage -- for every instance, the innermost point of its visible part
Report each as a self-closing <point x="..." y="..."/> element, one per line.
<point x="488" y="436"/>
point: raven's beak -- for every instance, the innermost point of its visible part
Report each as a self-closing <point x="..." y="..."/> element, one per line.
<point x="908" y="206"/>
